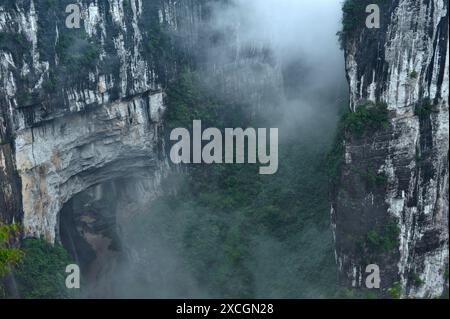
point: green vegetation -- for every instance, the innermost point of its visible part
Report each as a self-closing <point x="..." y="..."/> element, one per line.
<point x="9" y="140"/>
<point x="424" y="109"/>
<point x="395" y="291"/>
<point x="258" y="227"/>
<point x="352" y="18"/>
<point x="187" y="101"/>
<point x="374" y="179"/>
<point x="25" y="99"/>
<point x="385" y="239"/>
<point x="160" y="47"/>
<point x="9" y="255"/>
<point x="262" y="232"/>
<point x="76" y="51"/>
<point x="22" y="41"/>
<point x="50" y="85"/>
<point x="16" y="41"/>
<point x="367" y="118"/>
<point x="415" y="279"/>
<point x="42" y="271"/>
<point x="414" y="74"/>
<point x="77" y="55"/>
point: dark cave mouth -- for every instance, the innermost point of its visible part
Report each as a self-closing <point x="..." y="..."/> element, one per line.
<point x="88" y="229"/>
<point x="95" y="226"/>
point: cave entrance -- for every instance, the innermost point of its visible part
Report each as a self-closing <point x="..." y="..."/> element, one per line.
<point x="89" y="232"/>
<point x="93" y="228"/>
<point x="126" y="244"/>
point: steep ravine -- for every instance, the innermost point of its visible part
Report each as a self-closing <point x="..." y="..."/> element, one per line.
<point x="83" y="140"/>
<point x="82" y="148"/>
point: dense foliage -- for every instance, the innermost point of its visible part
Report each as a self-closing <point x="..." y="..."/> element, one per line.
<point x="424" y="108"/>
<point x="242" y="234"/>
<point x="367" y="118"/>
<point x="9" y="255"/>
<point x="41" y="274"/>
<point x="384" y="239"/>
<point x="352" y="18"/>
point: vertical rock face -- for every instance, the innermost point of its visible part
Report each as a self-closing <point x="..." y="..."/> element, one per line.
<point x="404" y="64"/>
<point x="82" y="110"/>
<point x="81" y="107"/>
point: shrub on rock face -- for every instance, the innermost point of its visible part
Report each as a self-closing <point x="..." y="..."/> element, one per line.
<point x="367" y="118"/>
<point x="415" y="279"/>
<point x="42" y="271"/>
<point x="9" y="256"/>
<point x="414" y="74"/>
<point x="424" y="109"/>
<point x="351" y="19"/>
<point x="384" y="240"/>
<point x="395" y="291"/>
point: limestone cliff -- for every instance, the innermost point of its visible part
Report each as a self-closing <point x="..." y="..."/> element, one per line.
<point x="403" y="65"/>
<point x="82" y="110"/>
<point x="80" y="106"/>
